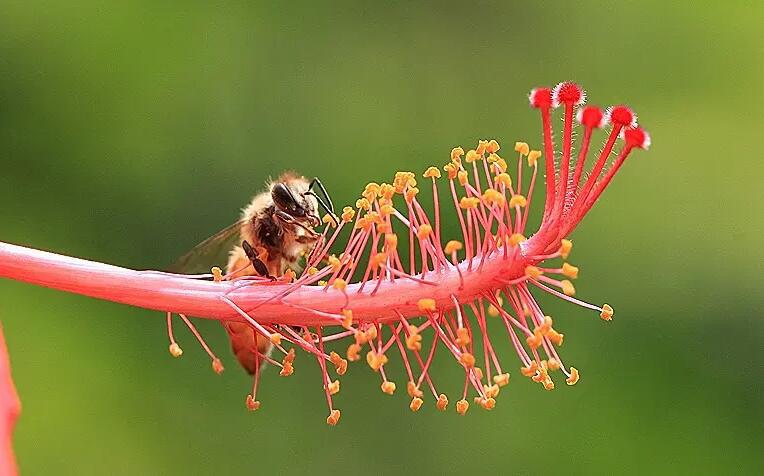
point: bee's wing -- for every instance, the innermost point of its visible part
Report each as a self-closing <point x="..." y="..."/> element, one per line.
<point x="211" y="252"/>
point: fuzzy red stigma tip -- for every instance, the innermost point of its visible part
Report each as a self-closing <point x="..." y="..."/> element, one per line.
<point x="637" y="137"/>
<point x="622" y="116"/>
<point x="591" y="116"/>
<point x="568" y="93"/>
<point x="540" y="97"/>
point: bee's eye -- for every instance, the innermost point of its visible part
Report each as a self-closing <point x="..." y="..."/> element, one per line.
<point x="284" y="199"/>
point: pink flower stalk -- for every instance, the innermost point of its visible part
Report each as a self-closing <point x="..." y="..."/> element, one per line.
<point x="10" y="408"/>
<point x="381" y="299"/>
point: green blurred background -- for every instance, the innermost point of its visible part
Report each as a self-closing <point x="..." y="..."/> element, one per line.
<point x="130" y="131"/>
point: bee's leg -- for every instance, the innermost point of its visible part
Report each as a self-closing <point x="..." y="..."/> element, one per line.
<point x="257" y="263"/>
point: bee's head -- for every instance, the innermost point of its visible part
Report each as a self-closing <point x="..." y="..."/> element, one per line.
<point x="290" y="196"/>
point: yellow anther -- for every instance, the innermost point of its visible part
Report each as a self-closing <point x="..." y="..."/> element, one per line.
<point x="533" y="272"/>
<point x="340" y="284"/>
<point x="413" y="390"/>
<point x="327" y="220"/>
<point x="548" y="384"/>
<point x="504" y="179"/>
<point x="416" y="404"/>
<point x="388" y="387"/>
<point x="492" y="147"/>
<point x="517" y="201"/>
<point x="553" y="364"/>
<point x="378" y="260"/>
<point x="463" y="177"/>
<point x="289" y="357"/>
<point x="462" y="406"/>
<point x="391" y="241"/>
<point x="491" y="391"/>
<point x="555" y="337"/>
<point x="411" y="193"/>
<point x="534" y="341"/>
<point x="501" y="379"/>
<point x="442" y="402"/>
<point x="467" y="359"/>
<point x="362" y="204"/>
<point x="370" y="191"/>
<point x="386" y="209"/>
<point x="607" y="312"/>
<point x="530" y="370"/>
<point x="289" y="275"/>
<point x="432" y="172"/>
<point x="404" y="179"/>
<point x="565" y="247"/>
<point x="493" y="311"/>
<point x="386" y="191"/>
<point x="252" y="404"/>
<point x="488" y="403"/>
<point x="540" y="376"/>
<point x="501" y="164"/>
<point x="567" y="288"/>
<point x="452" y="170"/>
<point x="453" y="246"/>
<point x="347" y="318"/>
<point x="414" y="339"/>
<point x="334" y="262"/>
<point x="547" y="325"/>
<point x="287" y="369"/>
<point x="478" y="372"/>
<point x="426" y="305"/>
<point x="491" y="196"/>
<point x="424" y="231"/>
<point x="371" y="333"/>
<point x="462" y="337"/>
<point x="322" y="282"/>
<point x="333" y="418"/>
<point x="375" y="360"/>
<point x="533" y="157"/>
<point x="312" y="271"/>
<point x="348" y="214"/>
<point x="217" y="274"/>
<point x="469" y="202"/>
<point x="275" y="339"/>
<point x="570" y="271"/>
<point x="522" y="147"/>
<point x="334" y="387"/>
<point x="471" y="156"/>
<point x="456" y="153"/>
<point x="516" y="239"/>
<point x="482" y="146"/>
<point x="175" y="350"/>
<point x="335" y="358"/>
<point x="354" y="352"/>
<point x="217" y="366"/>
<point x="573" y="377"/>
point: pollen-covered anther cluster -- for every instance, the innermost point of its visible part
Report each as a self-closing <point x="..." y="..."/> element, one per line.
<point x="401" y="289"/>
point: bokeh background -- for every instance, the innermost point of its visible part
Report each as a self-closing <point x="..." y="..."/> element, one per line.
<point x="131" y="130"/>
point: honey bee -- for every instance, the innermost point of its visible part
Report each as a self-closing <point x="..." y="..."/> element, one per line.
<point x="276" y="229"/>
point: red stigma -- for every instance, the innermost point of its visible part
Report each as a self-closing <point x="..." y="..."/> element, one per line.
<point x="637" y="137"/>
<point x="540" y="97"/>
<point x="568" y="93"/>
<point x="622" y="116"/>
<point x="591" y="117"/>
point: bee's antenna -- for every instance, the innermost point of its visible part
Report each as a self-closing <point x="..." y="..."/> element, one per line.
<point x="317" y="181"/>
<point x="323" y="205"/>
